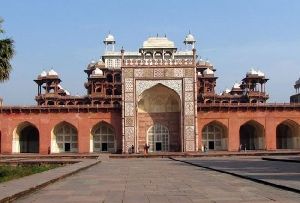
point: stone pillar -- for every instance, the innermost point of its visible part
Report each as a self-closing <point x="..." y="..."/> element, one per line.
<point x="83" y="136"/>
<point x="45" y="129"/>
<point x="233" y="135"/>
<point x="6" y="141"/>
<point x="270" y="134"/>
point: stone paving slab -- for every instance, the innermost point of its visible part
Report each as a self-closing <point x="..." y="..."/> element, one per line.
<point x="13" y="189"/>
<point x="155" y="180"/>
<point x="207" y="154"/>
<point x="285" y="174"/>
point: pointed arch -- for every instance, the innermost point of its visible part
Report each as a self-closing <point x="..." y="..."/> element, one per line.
<point x="252" y="135"/>
<point x="64" y="138"/>
<point x="288" y="135"/>
<point x="215" y="136"/>
<point x="25" y="138"/>
<point x="159" y="98"/>
<point x="103" y="138"/>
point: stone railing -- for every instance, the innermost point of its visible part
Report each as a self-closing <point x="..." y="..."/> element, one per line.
<point x="158" y="62"/>
<point x="211" y="106"/>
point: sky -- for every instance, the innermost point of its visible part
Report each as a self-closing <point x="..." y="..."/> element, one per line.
<point x="234" y="35"/>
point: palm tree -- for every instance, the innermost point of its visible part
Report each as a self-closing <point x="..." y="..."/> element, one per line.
<point x="6" y="53"/>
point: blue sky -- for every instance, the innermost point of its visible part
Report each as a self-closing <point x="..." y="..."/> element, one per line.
<point x="233" y="34"/>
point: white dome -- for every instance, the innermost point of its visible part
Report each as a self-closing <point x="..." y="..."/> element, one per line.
<point x="208" y="63"/>
<point x="208" y="72"/>
<point x="189" y="38"/>
<point x="259" y="73"/>
<point x="67" y="92"/>
<point x="252" y="72"/>
<point x="60" y="87"/>
<point x="227" y="90"/>
<point x="97" y="71"/>
<point x="158" y="42"/>
<point x="236" y="85"/>
<point x="201" y="62"/>
<point x="43" y="74"/>
<point x="52" y="72"/>
<point x="100" y="62"/>
<point x="92" y="62"/>
<point x="109" y="38"/>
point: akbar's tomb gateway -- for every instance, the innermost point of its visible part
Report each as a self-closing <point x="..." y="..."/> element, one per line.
<point x="157" y="96"/>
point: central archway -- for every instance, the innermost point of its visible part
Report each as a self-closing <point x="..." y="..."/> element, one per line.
<point x="252" y="136"/>
<point x="159" y="106"/>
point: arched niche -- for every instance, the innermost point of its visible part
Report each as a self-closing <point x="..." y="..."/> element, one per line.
<point x="252" y="136"/>
<point x="288" y="135"/>
<point x="25" y="138"/>
<point x="103" y="138"/>
<point x="215" y="136"/>
<point x="64" y="138"/>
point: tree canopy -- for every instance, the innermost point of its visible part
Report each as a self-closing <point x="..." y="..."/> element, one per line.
<point x="6" y="54"/>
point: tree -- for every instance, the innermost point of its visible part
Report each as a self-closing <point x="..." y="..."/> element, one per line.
<point x="6" y="54"/>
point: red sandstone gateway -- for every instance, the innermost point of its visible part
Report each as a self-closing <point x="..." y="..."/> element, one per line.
<point x="160" y="97"/>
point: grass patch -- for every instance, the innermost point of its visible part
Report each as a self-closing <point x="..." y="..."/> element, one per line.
<point x="8" y="172"/>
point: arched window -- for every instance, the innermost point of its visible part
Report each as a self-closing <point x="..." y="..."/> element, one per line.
<point x="64" y="138"/>
<point x="158" y="138"/>
<point x="50" y="103"/>
<point x="109" y="92"/>
<point x="117" y="91"/>
<point x="214" y="137"/>
<point x="103" y="138"/>
<point x="109" y="78"/>
<point x="117" y="77"/>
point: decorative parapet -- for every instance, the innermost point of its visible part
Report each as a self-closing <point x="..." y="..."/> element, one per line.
<point x="236" y="106"/>
<point x="158" y="62"/>
<point x="60" y="108"/>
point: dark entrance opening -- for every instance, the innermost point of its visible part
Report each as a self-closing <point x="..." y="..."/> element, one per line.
<point x="158" y="146"/>
<point x="283" y="135"/>
<point x="67" y="147"/>
<point x="104" y="147"/>
<point x="29" y="140"/>
<point x="252" y="136"/>
<point x="211" y="145"/>
<point x="247" y="137"/>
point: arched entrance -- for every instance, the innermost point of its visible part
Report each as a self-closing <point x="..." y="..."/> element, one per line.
<point x="103" y="138"/>
<point x="26" y="138"/>
<point x="64" y="138"/>
<point x="288" y="135"/>
<point x="158" y="138"/>
<point x="214" y="136"/>
<point x="252" y="136"/>
<point x="159" y="109"/>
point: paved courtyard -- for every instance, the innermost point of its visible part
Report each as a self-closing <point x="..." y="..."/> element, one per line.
<point x="276" y="172"/>
<point x="156" y="180"/>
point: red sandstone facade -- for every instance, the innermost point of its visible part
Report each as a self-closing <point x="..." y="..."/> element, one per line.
<point x="159" y="97"/>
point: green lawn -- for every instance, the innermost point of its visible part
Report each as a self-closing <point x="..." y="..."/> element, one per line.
<point x="8" y="172"/>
